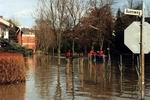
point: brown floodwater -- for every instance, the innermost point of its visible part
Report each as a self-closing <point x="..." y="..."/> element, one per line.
<point x="79" y="79"/>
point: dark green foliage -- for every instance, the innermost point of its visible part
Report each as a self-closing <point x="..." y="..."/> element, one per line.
<point x="119" y="32"/>
<point x="10" y="46"/>
<point x="121" y="23"/>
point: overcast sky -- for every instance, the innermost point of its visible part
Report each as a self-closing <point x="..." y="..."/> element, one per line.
<point x="22" y="10"/>
<point x="123" y="4"/>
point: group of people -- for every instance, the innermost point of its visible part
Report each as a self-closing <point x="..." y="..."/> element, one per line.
<point x="68" y="54"/>
<point x="97" y="56"/>
<point x="97" y="53"/>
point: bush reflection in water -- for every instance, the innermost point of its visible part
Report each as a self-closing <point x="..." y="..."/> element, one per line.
<point x="77" y="79"/>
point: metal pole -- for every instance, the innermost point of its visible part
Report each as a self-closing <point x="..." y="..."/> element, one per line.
<point x="142" y="53"/>
<point x="73" y="47"/>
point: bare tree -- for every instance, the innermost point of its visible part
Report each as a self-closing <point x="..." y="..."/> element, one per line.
<point x="130" y="3"/>
<point x="148" y="10"/>
<point x="45" y="36"/>
<point x="60" y="16"/>
<point x="14" y="21"/>
<point x="133" y="3"/>
<point x="44" y="32"/>
<point x="55" y="14"/>
<point x="76" y="9"/>
<point x="100" y="17"/>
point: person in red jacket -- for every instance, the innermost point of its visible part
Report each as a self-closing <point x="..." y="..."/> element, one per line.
<point x="101" y="53"/>
<point x="68" y="54"/>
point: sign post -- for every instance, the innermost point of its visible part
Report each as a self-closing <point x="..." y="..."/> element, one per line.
<point x="142" y="54"/>
<point x="142" y="46"/>
<point x="133" y="12"/>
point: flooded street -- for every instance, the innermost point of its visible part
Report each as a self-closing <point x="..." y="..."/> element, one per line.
<point x="75" y="80"/>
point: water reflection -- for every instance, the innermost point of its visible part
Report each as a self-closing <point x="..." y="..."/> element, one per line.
<point x="70" y="78"/>
<point x="77" y="79"/>
<point x="58" y="86"/>
<point x="43" y="77"/>
<point x="81" y="72"/>
<point x="12" y="92"/>
<point x="93" y="78"/>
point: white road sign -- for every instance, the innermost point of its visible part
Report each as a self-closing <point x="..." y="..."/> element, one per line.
<point x="132" y="37"/>
<point x="133" y="12"/>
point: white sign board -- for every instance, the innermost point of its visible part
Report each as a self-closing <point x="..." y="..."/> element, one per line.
<point x="132" y="37"/>
<point x="133" y="12"/>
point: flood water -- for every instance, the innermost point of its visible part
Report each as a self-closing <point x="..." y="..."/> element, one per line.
<point x="79" y="79"/>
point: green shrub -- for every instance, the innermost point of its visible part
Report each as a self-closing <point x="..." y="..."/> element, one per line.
<point x="11" y="46"/>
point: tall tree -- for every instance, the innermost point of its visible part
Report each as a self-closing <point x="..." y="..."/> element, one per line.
<point x="133" y="3"/>
<point x="76" y="10"/>
<point x="121" y="23"/>
<point x="100" y="19"/>
<point x="54" y="12"/>
<point x="68" y="19"/>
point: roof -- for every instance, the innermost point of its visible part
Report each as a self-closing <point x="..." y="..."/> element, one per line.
<point x="28" y="31"/>
<point x="6" y="23"/>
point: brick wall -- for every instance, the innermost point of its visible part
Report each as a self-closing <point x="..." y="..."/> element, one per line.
<point x="28" y="40"/>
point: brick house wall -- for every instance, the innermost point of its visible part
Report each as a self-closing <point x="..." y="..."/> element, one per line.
<point x="29" y="41"/>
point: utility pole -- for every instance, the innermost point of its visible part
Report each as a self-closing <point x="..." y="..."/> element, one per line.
<point x="142" y="54"/>
<point x="138" y="13"/>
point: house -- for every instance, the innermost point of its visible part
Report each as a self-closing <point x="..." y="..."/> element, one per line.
<point x="29" y="39"/>
<point x="10" y="31"/>
<point x="4" y="28"/>
<point x="15" y="34"/>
